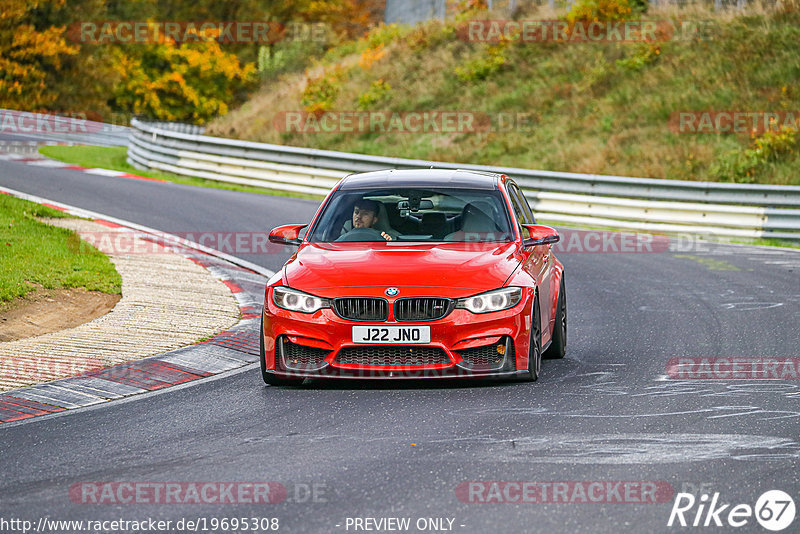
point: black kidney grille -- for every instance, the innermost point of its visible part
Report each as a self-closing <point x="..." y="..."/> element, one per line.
<point x="362" y="308"/>
<point x="421" y="308"/>
<point x="392" y="355"/>
<point x="301" y="357"/>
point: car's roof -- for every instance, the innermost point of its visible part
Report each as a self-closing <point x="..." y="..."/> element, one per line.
<point x="457" y="178"/>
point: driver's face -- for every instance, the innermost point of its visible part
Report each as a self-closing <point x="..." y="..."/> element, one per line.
<point x="363" y="218"/>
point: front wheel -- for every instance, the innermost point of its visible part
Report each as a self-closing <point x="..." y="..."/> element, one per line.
<point x="535" y="348"/>
<point x="269" y="378"/>
<point x="558" y="347"/>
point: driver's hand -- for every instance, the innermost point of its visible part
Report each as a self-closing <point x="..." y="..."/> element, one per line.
<point x="386" y="236"/>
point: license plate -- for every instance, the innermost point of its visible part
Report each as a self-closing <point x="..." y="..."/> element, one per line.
<point x="391" y="334"/>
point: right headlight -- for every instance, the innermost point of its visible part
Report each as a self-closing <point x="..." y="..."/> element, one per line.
<point x="492" y="301"/>
<point x="294" y="300"/>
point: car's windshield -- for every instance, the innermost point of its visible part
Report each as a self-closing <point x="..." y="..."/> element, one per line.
<point x="405" y="214"/>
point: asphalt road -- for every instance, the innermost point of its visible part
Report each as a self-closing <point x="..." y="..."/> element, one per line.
<point x="377" y="450"/>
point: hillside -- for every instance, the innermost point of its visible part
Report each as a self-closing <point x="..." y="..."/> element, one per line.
<point x="592" y="107"/>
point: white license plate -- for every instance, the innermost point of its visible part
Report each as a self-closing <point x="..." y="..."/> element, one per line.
<point x="391" y="334"/>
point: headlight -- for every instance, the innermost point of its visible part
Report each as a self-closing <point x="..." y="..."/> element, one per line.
<point x="293" y="300"/>
<point x="492" y="301"/>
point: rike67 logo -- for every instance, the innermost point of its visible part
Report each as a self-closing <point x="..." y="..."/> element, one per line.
<point x="774" y="510"/>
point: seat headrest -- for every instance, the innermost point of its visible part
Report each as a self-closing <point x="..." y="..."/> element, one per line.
<point x="478" y="216"/>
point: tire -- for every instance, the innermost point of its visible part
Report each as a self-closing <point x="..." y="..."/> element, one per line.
<point x="269" y="378"/>
<point x="535" y="348"/>
<point x="558" y="347"/>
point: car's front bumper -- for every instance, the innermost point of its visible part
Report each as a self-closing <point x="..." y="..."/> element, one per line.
<point x="464" y="344"/>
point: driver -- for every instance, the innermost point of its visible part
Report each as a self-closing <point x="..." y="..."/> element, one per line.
<point x="365" y="215"/>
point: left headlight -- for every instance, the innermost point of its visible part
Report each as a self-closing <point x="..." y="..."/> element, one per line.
<point x="492" y="301"/>
<point x="293" y="300"/>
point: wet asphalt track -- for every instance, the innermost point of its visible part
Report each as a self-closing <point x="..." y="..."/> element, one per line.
<point x="605" y="413"/>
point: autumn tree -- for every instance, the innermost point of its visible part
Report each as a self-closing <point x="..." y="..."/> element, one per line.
<point x="192" y="81"/>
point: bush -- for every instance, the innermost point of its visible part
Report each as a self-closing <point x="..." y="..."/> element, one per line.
<point x="485" y="64"/>
<point x="645" y="54"/>
<point x="321" y="93"/>
<point x="191" y="82"/>
<point x="377" y="92"/>
<point x="288" y="56"/>
<point x="769" y="147"/>
<point x="370" y="56"/>
<point x="584" y="11"/>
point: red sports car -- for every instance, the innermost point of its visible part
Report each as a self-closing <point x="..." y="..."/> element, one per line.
<point x="415" y="274"/>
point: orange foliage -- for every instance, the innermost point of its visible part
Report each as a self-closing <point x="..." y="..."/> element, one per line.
<point x="29" y="57"/>
<point x="190" y="82"/>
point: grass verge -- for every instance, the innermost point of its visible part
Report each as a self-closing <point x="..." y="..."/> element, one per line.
<point x="115" y="159"/>
<point x="36" y="255"/>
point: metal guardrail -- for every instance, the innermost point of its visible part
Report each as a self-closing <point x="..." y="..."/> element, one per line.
<point x="711" y="208"/>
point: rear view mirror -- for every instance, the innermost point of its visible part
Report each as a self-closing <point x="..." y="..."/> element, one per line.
<point x="287" y="234"/>
<point x="414" y="206"/>
<point x="540" y="235"/>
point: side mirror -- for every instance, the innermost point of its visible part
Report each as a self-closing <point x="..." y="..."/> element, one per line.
<point x="287" y="234"/>
<point x="540" y="235"/>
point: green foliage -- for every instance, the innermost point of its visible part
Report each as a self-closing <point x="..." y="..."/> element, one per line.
<point x="291" y="55"/>
<point x="377" y="92"/>
<point x="431" y="35"/>
<point x="378" y="37"/>
<point x="270" y="62"/>
<point x="644" y="54"/>
<point x="769" y="148"/>
<point x="593" y="10"/>
<point x="593" y="114"/>
<point x="484" y="64"/>
<point x="321" y="93"/>
<point x="384" y="34"/>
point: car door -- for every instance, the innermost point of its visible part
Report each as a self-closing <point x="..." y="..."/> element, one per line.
<point x="538" y="261"/>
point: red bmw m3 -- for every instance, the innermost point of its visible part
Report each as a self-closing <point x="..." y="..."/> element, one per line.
<point x="415" y="274"/>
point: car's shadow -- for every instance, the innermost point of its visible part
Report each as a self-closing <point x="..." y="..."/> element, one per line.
<point x="401" y="384"/>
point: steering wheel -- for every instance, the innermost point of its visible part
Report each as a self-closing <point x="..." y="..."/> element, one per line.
<point x="361" y="234"/>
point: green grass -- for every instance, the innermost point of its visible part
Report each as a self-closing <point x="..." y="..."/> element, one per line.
<point x="114" y="158"/>
<point x="594" y="107"/>
<point x="34" y="254"/>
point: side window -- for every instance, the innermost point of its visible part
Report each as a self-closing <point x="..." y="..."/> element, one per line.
<point x="519" y="211"/>
<point x="526" y="208"/>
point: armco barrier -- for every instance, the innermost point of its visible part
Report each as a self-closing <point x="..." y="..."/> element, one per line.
<point x="671" y="206"/>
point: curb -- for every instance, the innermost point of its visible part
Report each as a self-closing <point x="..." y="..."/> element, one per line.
<point x="229" y="350"/>
<point x="43" y="161"/>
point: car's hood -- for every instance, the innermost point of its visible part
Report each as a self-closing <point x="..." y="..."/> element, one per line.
<point x="468" y="266"/>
